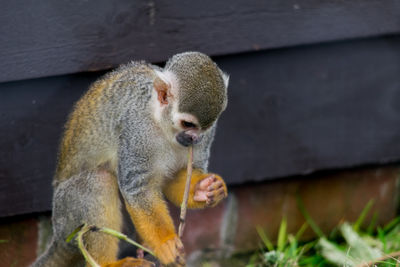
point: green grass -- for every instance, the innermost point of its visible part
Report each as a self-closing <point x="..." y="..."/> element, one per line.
<point x="348" y="245"/>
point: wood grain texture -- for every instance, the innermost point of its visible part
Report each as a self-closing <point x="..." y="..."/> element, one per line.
<point x="291" y="111"/>
<point x="296" y="111"/>
<point x="32" y="115"/>
<point x="46" y="38"/>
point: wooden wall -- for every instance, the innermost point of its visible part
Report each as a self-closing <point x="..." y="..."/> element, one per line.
<point x="314" y="85"/>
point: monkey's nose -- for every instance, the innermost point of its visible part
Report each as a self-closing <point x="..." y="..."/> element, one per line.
<point x="187" y="138"/>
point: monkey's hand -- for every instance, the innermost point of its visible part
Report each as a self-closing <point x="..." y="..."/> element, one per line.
<point x="210" y="190"/>
<point x="206" y="189"/>
<point x="156" y="228"/>
<point x="171" y="252"/>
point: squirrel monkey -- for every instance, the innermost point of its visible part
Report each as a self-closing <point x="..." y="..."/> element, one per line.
<point x="125" y="147"/>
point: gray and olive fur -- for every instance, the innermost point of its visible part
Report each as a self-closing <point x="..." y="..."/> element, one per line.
<point x="114" y="151"/>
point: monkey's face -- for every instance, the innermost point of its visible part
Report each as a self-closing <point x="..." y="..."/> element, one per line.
<point x="189" y="132"/>
<point x="179" y="127"/>
<point x="191" y="93"/>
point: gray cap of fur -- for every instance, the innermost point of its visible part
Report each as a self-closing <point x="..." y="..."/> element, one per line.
<point x="203" y="92"/>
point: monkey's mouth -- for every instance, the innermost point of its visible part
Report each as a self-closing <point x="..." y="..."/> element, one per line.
<point x="187" y="138"/>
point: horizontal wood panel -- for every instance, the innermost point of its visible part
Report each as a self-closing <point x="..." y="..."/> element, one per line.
<point x="291" y="111"/>
<point x="296" y="111"/>
<point x="46" y="38"/>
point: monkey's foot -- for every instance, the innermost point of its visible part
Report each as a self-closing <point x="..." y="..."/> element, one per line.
<point x="171" y="252"/>
<point x="130" y="262"/>
<point x="211" y="189"/>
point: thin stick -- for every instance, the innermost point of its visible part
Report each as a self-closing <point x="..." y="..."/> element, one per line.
<point x="83" y="229"/>
<point x="125" y="238"/>
<point x="186" y="193"/>
<point x="81" y="246"/>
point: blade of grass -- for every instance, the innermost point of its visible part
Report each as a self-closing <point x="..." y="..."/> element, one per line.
<point x="371" y="226"/>
<point x="308" y="218"/>
<point x="391" y="224"/>
<point x="382" y="238"/>
<point x="364" y="212"/>
<point x="268" y="244"/>
<point x="293" y="246"/>
<point x="301" y="231"/>
<point x="282" y="235"/>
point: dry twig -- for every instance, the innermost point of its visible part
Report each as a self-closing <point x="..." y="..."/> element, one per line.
<point x="186" y="193"/>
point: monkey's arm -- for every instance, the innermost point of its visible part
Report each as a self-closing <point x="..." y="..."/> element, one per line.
<point x="206" y="190"/>
<point x="144" y="202"/>
<point x="154" y="224"/>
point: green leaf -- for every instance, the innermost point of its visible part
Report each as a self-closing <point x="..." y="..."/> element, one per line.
<point x="334" y="254"/>
<point x="363" y="214"/>
<point x="358" y="248"/>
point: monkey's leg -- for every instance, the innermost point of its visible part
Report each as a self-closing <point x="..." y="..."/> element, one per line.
<point x="104" y="210"/>
<point x="154" y="224"/>
<point x="92" y="198"/>
<point x="206" y="190"/>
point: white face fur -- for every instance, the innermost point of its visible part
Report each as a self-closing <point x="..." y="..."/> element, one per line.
<point x="180" y="121"/>
<point x="180" y="126"/>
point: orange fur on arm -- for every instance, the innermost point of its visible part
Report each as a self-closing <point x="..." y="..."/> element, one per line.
<point x="153" y="222"/>
<point x="174" y="189"/>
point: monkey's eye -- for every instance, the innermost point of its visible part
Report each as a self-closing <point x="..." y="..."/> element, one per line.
<point x="186" y="124"/>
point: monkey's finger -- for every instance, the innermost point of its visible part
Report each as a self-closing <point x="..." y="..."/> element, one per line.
<point x="179" y="245"/>
<point x="200" y="196"/>
<point x="215" y="185"/>
<point x="211" y="193"/>
<point x="180" y="260"/>
<point x="210" y="201"/>
<point x="139" y="253"/>
<point x="206" y="182"/>
<point x="220" y="196"/>
<point x="220" y="191"/>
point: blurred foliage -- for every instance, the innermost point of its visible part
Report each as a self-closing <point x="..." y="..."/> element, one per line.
<point x="349" y="244"/>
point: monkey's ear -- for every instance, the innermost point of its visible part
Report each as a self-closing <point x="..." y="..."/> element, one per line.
<point x="163" y="90"/>
<point x="225" y="76"/>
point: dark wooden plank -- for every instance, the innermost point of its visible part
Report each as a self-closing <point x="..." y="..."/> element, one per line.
<point x="40" y="39"/>
<point x="32" y="115"/>
<point x="295" y="111"/>
<point x="291" y="111"/>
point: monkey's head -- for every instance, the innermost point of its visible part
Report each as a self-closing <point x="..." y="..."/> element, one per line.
<point x="191" y="94"/>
